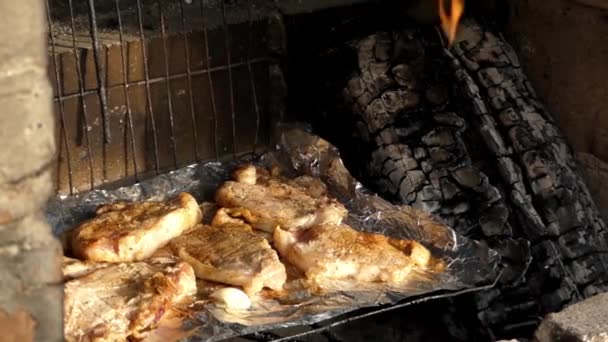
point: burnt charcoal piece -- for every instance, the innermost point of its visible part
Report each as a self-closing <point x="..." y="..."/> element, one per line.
<point x="461" y="134"/>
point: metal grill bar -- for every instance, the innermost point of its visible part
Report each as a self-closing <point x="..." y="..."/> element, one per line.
<point x="230" y="82"/>
<point x="147" y="83"/>
<point x="189" y="75"/>
<point x="125" y="79"/>
<point x="254" y="94"/>
<point x="61" y="107"/>
<point x="167" y="82"/>
<point x="210" y="80"/>
<point x="83" y="106"/>
<point x="163" y="78"/>
<point x="100" y="73"/>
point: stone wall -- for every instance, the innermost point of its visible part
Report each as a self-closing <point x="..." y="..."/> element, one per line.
<point x="30" y="274"/>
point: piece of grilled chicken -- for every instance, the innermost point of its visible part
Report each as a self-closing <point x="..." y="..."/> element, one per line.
<point x="230" y="252"/>
<point x="267" y="202"/>
<point x="120" y="301"/>
<point x="133" y="231"/>
<point x="339" y="252"/>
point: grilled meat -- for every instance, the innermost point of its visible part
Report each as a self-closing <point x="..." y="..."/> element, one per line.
<point x="420" y="255"/>
<point x="122" y="300"/>
<point x="73" y="268"/>
<point x="271" y="203"/>
<point x="250" y="174"/>
<point x="230" y="252"/>
<point x="123" y="232"/>
<point x="231" y="298"/>
<point x="325" y="252"/>
<point x="310" y="185"/>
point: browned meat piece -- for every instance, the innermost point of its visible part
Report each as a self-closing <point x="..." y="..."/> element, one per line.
<point x="419" y="254"/>
<point x="312" y="186"/>
<point x="230" y="252"/>
<point x="73" y="268"/>
<point x="231" y="298"/>
<point x="250" y="174"/>
<point x="124" y="232"/>
<point x="326" y="252"/>
<point x="123" y="300"/>
<point x="266" y="205"/>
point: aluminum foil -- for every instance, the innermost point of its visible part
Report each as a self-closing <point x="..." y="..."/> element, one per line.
<point x="298" y="152"/>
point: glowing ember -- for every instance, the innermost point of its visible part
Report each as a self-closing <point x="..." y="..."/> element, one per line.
<point x="449" y="21"/>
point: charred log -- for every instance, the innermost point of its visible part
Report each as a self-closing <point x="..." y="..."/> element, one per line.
<point x="461" y="134"/>
<point x="538" y="170"/>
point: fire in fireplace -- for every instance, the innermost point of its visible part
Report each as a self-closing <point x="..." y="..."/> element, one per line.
<point x="449" y="21"/>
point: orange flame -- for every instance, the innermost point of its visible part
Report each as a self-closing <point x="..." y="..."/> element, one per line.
<point x="449" y="22"/>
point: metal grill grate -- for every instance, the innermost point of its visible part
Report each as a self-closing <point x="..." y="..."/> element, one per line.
<point x="145" y="87"/>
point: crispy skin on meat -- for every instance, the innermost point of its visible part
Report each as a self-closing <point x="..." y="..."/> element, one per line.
<point x="231" y="253"/>
<point x="124" y="231"/>
<point x="325" y="252"/>
<point x="266" y="205"/>
<point x="123" y="300"/>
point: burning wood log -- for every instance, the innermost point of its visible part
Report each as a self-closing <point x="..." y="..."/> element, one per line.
<point x="460" y="133"/>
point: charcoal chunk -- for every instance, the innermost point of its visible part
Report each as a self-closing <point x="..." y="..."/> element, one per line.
<point x="467" y="177"/>
<point x="493" y="220"/>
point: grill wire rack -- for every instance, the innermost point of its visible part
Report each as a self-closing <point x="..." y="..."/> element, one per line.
<point x="145" y="87"/>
